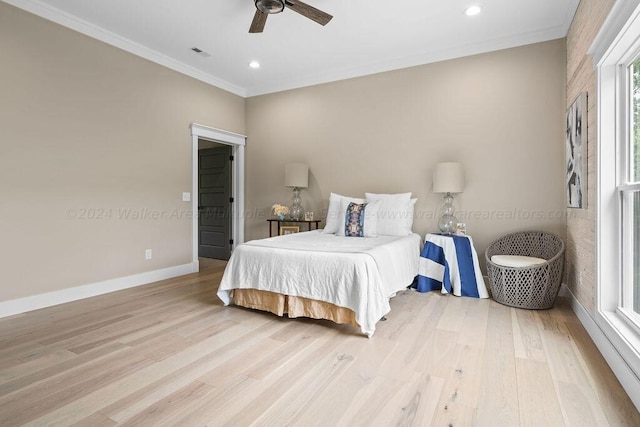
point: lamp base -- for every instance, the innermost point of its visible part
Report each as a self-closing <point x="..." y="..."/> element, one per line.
<point x="447" y="221"/>
<point x="448" y="224"/>
<point x="296" y="211"/>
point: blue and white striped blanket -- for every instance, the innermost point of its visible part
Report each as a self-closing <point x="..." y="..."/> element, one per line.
<point x="450" y="264"/>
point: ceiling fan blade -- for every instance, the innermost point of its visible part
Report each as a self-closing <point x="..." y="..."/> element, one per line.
<point x="310" y="12"/>
<point x="257" y="25"/>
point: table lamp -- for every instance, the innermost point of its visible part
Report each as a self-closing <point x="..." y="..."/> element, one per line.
<point x="448" y="177"/>
<point x="296" y="175"/>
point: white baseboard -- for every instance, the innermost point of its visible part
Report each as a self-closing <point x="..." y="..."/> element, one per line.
<point x="34" y="302"/>
<point x="620" y="368"/>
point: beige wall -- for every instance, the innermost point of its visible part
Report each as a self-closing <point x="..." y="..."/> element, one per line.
<point x="87" y="129"/>
<point x="501" y="114"/>
<point x="581" y="224"/>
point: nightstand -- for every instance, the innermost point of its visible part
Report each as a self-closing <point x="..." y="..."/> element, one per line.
<point x="449" y="263"/>
<point x="279" y="223"/>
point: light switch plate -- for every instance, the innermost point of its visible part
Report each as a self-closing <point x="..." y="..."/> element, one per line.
<point x="186" y="197"/>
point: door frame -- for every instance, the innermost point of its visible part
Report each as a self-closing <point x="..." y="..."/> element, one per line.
<point x="237" y="142"/>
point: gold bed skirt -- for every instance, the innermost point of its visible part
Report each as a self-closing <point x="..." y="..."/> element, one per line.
<point x="293" y="306"/>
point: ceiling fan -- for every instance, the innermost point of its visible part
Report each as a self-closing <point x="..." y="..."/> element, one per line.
<point x="268" y="7"/>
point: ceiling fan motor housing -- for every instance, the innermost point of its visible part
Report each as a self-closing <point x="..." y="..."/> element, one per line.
<point x="270" y="6"/>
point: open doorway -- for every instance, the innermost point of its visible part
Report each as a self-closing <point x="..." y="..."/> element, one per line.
<point x="233" y="143"/>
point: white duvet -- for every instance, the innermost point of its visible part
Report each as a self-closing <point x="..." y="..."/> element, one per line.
<point x="353" y="272"/>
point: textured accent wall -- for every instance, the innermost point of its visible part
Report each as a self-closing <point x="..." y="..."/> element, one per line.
<point x="580" y="271"/>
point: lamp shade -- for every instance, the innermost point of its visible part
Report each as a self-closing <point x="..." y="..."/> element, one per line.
<point x="296" y="175"/>
<point x="448" y="177"/>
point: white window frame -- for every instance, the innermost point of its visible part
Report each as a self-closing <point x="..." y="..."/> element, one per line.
<point x="626" y="188"/>
<point x="614" y="49"/>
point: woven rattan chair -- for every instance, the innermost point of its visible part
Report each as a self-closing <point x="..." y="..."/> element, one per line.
<point x="534" y="287"/>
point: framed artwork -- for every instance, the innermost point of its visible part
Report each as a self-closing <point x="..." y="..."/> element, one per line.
<point x="289" y="229"/>
<point x="576" y="151"/>
<point x="308" y="216"/>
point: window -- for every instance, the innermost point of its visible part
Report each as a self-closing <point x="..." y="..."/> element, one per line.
<point x="629" y="196"/>
<point x="616" y="53"/>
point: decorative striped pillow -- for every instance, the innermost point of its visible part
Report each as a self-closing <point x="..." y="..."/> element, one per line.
<point x="354" y="220"/>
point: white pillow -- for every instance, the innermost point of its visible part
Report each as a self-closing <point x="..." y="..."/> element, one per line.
<point x="370" y="218"/>
<point x="335" y="213"/>
<point x="395" y="215"/>
<point x="516" y="260"/>
<point x="410" y="208"/>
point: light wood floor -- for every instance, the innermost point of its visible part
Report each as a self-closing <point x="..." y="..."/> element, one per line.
<point x="170" y="354"/>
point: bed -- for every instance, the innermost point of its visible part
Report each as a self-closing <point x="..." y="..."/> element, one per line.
<point x="322" y="275"/>
<point x="346" y="272"/>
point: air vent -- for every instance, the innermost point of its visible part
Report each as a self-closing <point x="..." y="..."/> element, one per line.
<point x="200" y="52"/>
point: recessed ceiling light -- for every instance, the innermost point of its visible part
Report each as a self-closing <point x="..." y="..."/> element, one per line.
<point x="254" y="64"/>
<point x="472" y="10"/>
